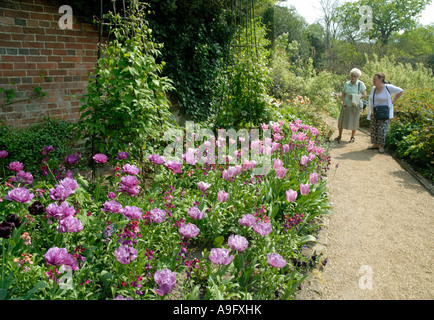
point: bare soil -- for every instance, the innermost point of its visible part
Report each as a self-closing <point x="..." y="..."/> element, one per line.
<point x="379" y="241"/>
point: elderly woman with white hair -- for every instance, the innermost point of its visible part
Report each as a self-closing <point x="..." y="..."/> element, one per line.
<point x="352" y="94"/>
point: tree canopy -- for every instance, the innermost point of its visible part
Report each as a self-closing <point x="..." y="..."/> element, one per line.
<point x="387" y="17"/>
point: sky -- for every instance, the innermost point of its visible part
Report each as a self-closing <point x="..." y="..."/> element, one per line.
<point x="311" y="10"/>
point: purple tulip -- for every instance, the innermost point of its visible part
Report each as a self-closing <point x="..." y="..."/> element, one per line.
<point x="157" y="215"/>
<point x="129" y="184"/>
<point x="131" y="191"/>
<point x="60" y="192"/>
<point x="221" y="256"/>
<point x="222" y="196"/>
<point x="166" y="281"/>
<point x="47" y="149"/>
<point x="71" y="159"/>
<point x="247" y="220"/>
<point x="262" y="228"/>
<point x="13" y="218"/>
<point x="6" y="229"/>
<point x="155" y="158"/>
<point x="69" y="225"/>
<point x="195" y="213"/>
<point x="132" y="212"/>
<point x="20" y="194"/>
<point x="111" y="195"/>
<point x="313" y="178"/>
<point x="3" y="154"/>
<point x="125" y="254"/>
<point x="130" y="169"/>
<point x="189" y="158"/>
<point x="59" y="256"/>
<point x="121" y="297"/>
<point x="130" y="181"/>
<point x="16" y="166"/>
<point x="112" y="206"/>
<point x="275" y="260"/>
<point x="122" y="155"/>
<point x="69" y="183"/>
<point x="203" y="186"/>
<point x="60" y="212"/>
<point x="100" y="158"/>
<point x="189" y="230"/>
<point x="22" y="176"/>
<point x="237" y="242"/>
<point x="304" y="189"/>
<point x="291" y="195"/>
<point x="173" y="165"/>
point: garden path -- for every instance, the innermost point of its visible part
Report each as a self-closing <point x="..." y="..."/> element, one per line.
<point x="378" y="243"/>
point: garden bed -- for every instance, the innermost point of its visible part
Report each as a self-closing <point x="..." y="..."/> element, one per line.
<point x="114" y="237"/>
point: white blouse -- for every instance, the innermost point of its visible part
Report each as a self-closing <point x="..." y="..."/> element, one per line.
<point x="383" y="98"/>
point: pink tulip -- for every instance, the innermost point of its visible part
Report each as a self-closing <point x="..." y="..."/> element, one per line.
<point x="304" y="160"/>
<point x="280" y="172"/>
<point x="291" y="195"/>
<point x="222" y="196"/>
<point x="203" y="186"/>
<point x="221" y="256"/>
<point x="195" y="213"/>
<point x="275" y="260"/>
<point x="304" y="189"/>
<point x="313" y="178"/>
<point x="277" y="163"/>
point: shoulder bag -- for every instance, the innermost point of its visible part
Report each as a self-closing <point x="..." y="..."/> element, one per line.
<point x="365" y="102"/>
<point x="380" y="112"/>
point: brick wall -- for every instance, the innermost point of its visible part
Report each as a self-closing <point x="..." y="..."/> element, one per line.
<point x="36" y="52"/>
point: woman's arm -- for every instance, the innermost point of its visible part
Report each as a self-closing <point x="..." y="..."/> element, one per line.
<point x="396" y="97"/>
<point x="363" y="94"/>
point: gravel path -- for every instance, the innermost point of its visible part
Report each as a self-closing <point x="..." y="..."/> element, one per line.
<point x="379" y="241"/>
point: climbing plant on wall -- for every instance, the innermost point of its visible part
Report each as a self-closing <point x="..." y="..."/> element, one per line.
<point x="126" y="107"/>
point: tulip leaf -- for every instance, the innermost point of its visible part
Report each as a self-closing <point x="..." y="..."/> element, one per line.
<point x="3" y="294"/>
<point x="307" y="238"/>
<point x="38" y="286"/>
<point x="218" y="241"/>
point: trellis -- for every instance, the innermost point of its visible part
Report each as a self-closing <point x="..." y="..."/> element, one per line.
<point x="243" y="15"/>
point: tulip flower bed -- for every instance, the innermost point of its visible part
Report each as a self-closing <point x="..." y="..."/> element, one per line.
<point x="200" y="231"/>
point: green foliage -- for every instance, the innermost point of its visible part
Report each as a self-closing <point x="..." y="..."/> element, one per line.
<point x="411" y="131"/>
<point x="388" y="17"/>
<point x="126" y="106"/>
<point x="402" y="75"/>
<point x="246" y="81"/>
<point x="196" y="36"/>
<point x="293" y="78"/>
<point x="25" y="145"/>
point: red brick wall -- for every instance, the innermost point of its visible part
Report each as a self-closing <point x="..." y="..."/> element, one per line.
<point x="36" y="52"/>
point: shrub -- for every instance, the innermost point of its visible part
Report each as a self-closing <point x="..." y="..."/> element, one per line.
<point x="402" y="75"/>
<point x="411" y="131"/>
<point x="25" y="145"/>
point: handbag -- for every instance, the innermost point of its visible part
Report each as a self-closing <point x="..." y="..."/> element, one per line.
<point x="380" y="112"/>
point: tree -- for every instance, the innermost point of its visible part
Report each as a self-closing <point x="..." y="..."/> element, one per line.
<point x="388" y="17"/>
<point x="329" y="9"/>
